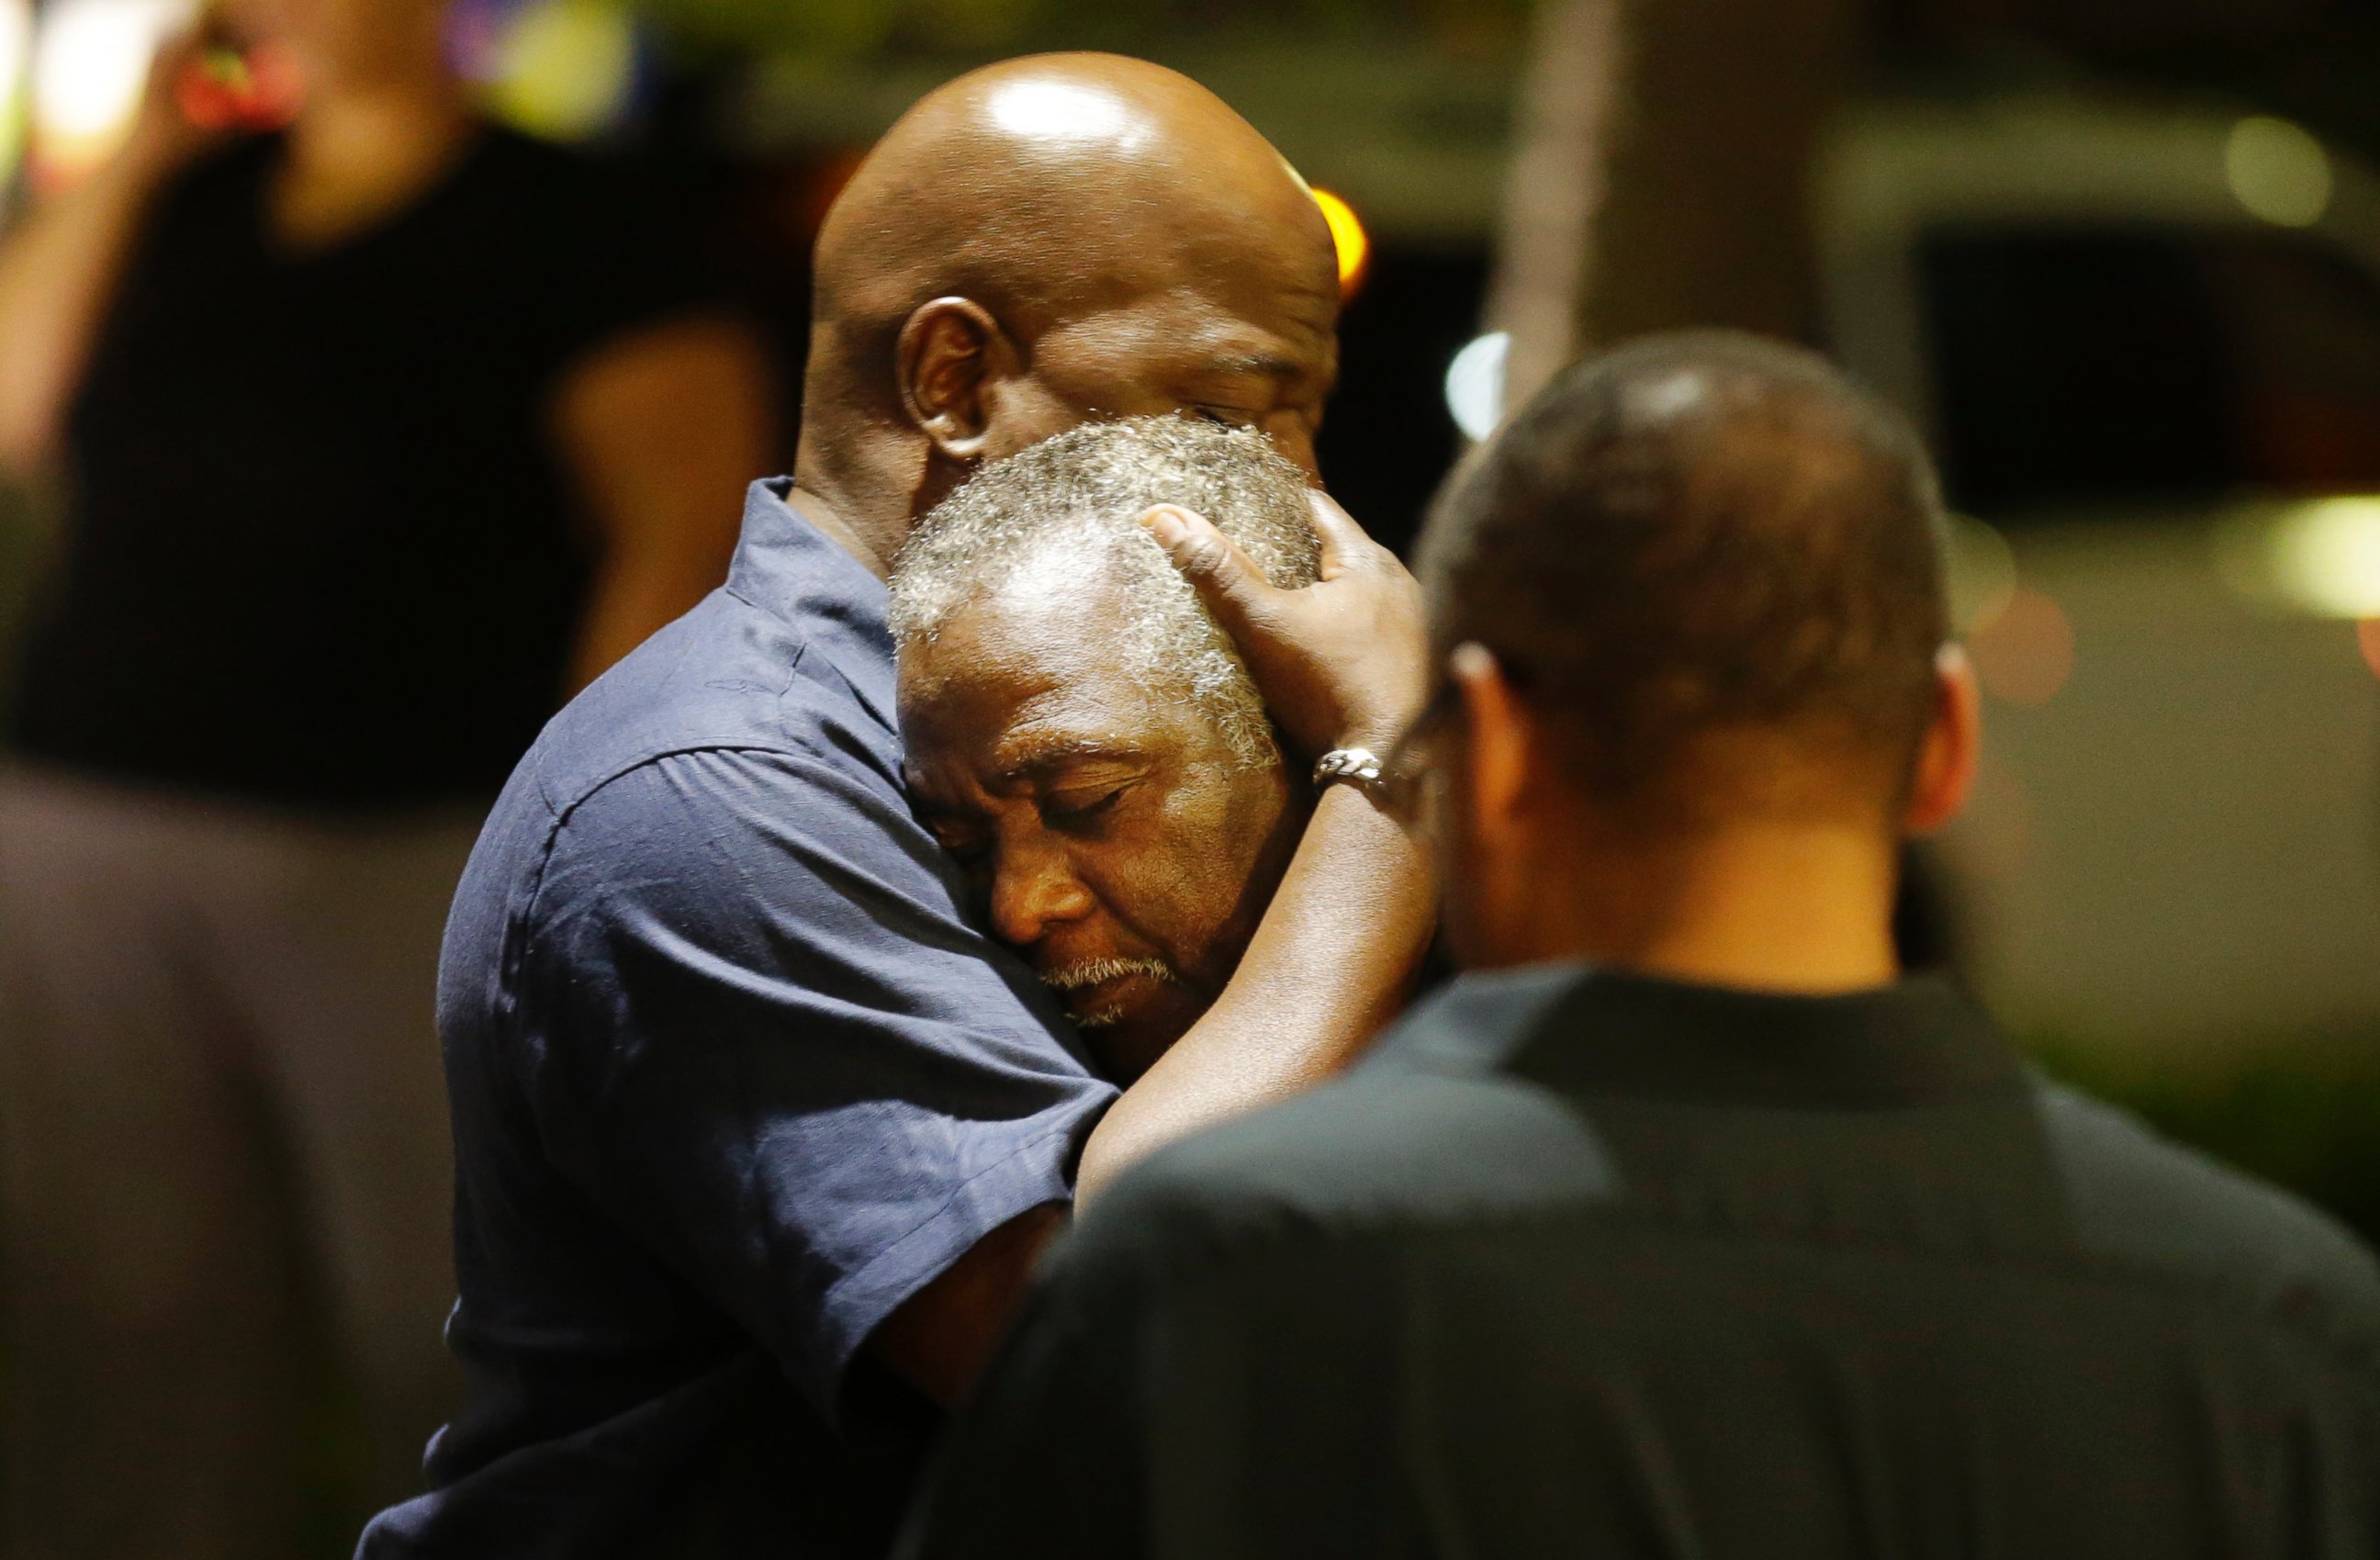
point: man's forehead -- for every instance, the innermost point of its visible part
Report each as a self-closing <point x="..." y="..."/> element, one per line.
<point x="1053" y="619"/>
<point x="1264" y="284"/>
<point x="1284" y="346"/>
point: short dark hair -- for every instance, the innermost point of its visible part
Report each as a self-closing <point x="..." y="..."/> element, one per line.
<point x="1697" y="534"/>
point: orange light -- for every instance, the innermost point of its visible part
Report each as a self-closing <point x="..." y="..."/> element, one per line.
<point x="2367" y="637"/>
<point x="1348" y="237"/>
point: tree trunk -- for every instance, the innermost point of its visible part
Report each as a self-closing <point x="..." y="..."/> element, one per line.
<point x="1554" y="192"/>
<point x="1661" y="170"/>
<point x="1708" y="220"/>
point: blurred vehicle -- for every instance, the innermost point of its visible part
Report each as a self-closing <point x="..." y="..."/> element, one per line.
<point x="2145" y="341"/>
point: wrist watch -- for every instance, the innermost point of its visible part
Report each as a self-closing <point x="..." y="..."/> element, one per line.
<point x="1359" y="766"/>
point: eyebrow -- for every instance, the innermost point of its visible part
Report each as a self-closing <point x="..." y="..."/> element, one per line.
<point x="1025" y="756"/>
<point x="1255" y="363"/>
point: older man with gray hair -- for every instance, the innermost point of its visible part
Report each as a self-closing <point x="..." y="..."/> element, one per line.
<point x="1081" y="735"/>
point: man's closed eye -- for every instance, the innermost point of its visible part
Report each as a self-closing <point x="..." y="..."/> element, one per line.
<point x="1083" y="807"/>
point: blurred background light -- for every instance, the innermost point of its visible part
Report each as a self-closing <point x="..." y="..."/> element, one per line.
<point x="476" y="33"/>
<point x="2278" y="171"/>
<point x="1981" y="571"/>
<point x="565" y="69"/>
<point x="2025" y="653"/>
<point x="2367" y="639"/>
<point x="260" y="89"/>
<point x="89" y="60"/>
<point x="16" y="44"/>
<point x="1348" y="237"/>
<point x="2321" y="557"/>
<point x="1475" y="384"/>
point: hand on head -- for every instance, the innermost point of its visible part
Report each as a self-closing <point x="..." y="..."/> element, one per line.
<point x="1341" y="662"/>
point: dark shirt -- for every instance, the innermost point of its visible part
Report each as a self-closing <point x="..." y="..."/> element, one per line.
<point x="1585" y="1264"/>
<point x="732" y="1077"/>
<point x="320" y="551"/>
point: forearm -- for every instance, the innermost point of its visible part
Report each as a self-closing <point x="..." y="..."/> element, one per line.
<point x="58" y="274"/>
<point x="1327" y="968"/>
<point x="1329" y="965"/>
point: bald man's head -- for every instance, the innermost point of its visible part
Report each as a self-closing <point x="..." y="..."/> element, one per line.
<point x="1048" y="241"/>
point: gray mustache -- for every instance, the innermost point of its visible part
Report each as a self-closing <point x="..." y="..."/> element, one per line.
<point x="1092" y="972"/>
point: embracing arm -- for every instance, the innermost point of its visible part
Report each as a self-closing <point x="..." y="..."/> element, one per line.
<point x="1326" y="970"/>
<point x="1339" y="663"/>
<point x="1329" y="967"/>
<point x="757" y="1032"/>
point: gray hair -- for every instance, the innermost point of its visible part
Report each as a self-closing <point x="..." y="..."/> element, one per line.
<point x="1064" y="516"/>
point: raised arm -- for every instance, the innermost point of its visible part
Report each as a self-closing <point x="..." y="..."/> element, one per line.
<point x="1341" y="665"/>
<point x="60" y="268"/>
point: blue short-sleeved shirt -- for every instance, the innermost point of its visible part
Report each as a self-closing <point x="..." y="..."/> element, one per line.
<point x="732" y="1076"/>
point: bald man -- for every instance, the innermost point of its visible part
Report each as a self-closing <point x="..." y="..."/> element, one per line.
<point x="756" y="1134"/>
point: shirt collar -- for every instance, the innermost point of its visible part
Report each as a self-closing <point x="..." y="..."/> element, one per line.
<point x="1581" y="1031"/>
<point x="785" y="565"/>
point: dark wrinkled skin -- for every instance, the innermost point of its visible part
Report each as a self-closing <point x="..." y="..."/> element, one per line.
<point x="1099" y="815"/>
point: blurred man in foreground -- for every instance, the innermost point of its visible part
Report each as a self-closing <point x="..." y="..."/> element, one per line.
<point x="756" y="1134"/>
<point x="1681" y="1226"/>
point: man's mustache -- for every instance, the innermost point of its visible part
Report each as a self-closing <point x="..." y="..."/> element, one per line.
<point x="1096" y="972"/>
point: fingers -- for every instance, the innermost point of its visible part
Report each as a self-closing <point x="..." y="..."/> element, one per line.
<point x="1226" y="578"/>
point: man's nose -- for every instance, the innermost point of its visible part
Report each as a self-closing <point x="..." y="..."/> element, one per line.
<point x="1032" y="890"/>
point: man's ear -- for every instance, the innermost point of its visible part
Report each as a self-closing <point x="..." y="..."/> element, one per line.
<point x="1501" y="739"/>
<point x="950" y="351"/>
<point x="1953" y="745"/>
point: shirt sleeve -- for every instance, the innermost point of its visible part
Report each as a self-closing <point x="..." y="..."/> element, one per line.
<point x="762" y="1036"/>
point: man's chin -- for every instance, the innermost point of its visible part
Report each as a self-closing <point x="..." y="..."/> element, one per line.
<point x="1129" y="1010"/>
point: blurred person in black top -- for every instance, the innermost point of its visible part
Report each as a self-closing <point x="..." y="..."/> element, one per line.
<point x="375" y="438"/>
<point x="1682" y="1224"/>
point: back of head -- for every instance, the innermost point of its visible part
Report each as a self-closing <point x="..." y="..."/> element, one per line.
<point x="1046" y="191"/>
<point x="1061" y="521"/>
<point x="1712" y="566"/>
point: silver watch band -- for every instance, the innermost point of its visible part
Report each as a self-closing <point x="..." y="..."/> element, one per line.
<point x="1360" y="766"/>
